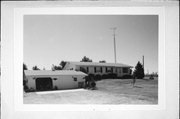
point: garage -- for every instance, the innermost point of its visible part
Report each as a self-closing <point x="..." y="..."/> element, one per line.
<point x="46" y="80"/>
<point x="44" y="83"/>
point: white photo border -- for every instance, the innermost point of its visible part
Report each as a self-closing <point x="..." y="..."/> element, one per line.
<point x="18" y="56"/>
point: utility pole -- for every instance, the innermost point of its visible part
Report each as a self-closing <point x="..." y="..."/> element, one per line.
<point x="143" y="61"/>
<point x="114" y="33"/>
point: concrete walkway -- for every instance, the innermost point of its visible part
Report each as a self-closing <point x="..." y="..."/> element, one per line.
<point x="60" y="91"/>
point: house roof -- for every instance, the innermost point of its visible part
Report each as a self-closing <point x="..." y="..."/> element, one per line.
<point x="100" y="64"/>
<point x="51" y="73"/>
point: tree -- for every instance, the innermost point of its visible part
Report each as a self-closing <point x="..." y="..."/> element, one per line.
<point x="130" y="71"/>
<point x="63" y="63"/>
<point x="35" y="68"/>
<point x="25" y="66"/>
<point x="139" y="71"/>
<point x="54" y="67"/>
<point x="24" y="77"/>
<point x="86" y="59"/>
<point x="102" y="61"/>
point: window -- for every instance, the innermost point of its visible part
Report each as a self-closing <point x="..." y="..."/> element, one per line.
<point x="75" y="79"/>
<point x="125" y="70"/>
<point x="101" y="69"/>
<point x="109" y="69"/>
<point x="54" y="78"/>
<point x="94" y="69"/>
<point x="98" y="69"/>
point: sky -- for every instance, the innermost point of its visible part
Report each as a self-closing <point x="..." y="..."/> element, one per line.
<point x="49" y="39"/>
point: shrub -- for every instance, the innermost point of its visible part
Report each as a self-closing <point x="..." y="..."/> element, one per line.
<point x="55" y="88"/>
<point x="91" y="75"/>
<point x="97" y="77"/>
<point x="26" y="88"/>
<point x="151" y="77"/>
<point x="93" y="84"/>
<point x="112" y="75"/>
<point x="119" y="77"/>
<point x="30" y="90"/>
<point x="104" y="76"/>
<point x="127" y="77"/>
<point x="109" y="76"/>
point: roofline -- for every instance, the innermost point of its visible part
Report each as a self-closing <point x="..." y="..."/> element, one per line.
<point x="98" y="63"/>
<point x="82" y="73"/>
<point x="60" y="75"/>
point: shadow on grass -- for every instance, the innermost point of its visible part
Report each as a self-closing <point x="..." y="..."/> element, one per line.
<point x="138" y="87"/>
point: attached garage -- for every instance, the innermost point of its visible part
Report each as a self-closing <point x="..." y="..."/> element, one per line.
<point x="43" y="80"/>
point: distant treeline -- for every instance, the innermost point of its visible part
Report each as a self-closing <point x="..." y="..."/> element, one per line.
<point x="61" y="64"/>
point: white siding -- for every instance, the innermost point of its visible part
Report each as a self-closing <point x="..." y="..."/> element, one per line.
<point x="103" y="70"/>
<point x="117" y="70"/>
<point x="65" y="82"/>
<point x="114" y="70"/>
<point x="62" y="82"/>
<point x="91" y="70"/>
<point x="31" y="82"/>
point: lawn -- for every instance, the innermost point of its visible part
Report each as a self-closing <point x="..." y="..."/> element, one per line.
<point x="109" y="91"/>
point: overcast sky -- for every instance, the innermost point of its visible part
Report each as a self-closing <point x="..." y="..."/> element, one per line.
<point x="49" y="39"/>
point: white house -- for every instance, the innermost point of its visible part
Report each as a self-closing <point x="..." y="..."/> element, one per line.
<point x="99" y="68"/>
<point x="41" y="80"/>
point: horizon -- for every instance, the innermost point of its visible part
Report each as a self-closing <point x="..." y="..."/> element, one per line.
<point x="50" y="39"/>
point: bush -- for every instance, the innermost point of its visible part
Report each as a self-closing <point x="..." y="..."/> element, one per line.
<point x="25" y="85"/>
<point x="91" y="75"/>
<point x="26" y="88"/>
<point x="112" y="75"/>
<point x="119" y="77"/>
<point x="93" y="84"/>
<point x="97" y="77"/>
<point x="55" y="88"/>
<point x="127" y="77"/>
<point x="30" y="90"/>
<point x="104" y="76"/>
<point x="109" y="76"/>
<point x="151" y="77"/>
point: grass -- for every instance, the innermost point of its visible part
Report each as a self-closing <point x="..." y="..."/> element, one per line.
<point x="109" y="91"/>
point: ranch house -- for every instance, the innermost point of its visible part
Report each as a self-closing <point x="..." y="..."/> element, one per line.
<point x="99" y="68"/>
